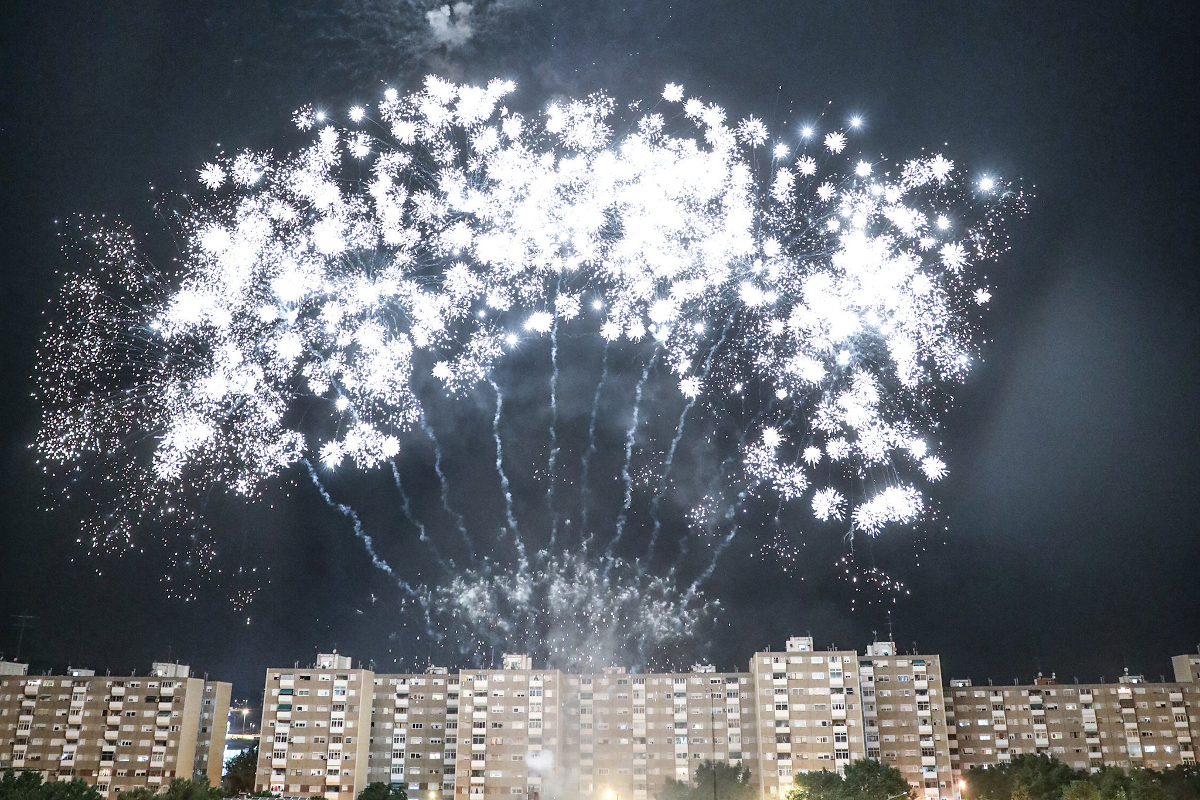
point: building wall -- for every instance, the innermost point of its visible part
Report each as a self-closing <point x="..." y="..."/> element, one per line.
<point x="112" y="732"/>
<point x="904" y="715"/>
<point x="414" y="731"/>
<point x="1187" y="668"/>
<point x="636" y="731"/>
<point x="315" y="731"/>
<point x="808" y="707"/>
<point x="516" y="733"/>
<point x="213" y="726"/>
<point x="1127" y="724"/>
<point x="613" y="735"/>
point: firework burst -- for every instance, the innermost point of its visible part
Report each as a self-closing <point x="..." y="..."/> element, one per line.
<point x="419" y="243"/>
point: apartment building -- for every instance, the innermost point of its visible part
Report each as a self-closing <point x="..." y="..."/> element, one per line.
<point x="316" y="730"/>
<point x="516" y="732"/>
<point x="809" y="713"/>
<point x="413" y="737"/>
<point x="519" y="731"/>
<point x="904" y="716"/>
<point x="115" y="733"/>
<point x="627" y="734"/>
<point x="523" y="732"/>
<point x="1131" y="723"/>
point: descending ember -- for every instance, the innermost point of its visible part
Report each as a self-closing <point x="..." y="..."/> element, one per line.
<point x="429" y="238"/>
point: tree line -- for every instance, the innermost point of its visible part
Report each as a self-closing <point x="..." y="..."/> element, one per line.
<point x="1026" y="777"/>
<point x="1037" y="777"/>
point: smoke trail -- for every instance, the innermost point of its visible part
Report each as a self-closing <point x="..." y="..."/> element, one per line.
<point x="584" y="492"/>
<point x="504" y="485"/>
<point x="406" y="508"/>
<point x="459" y="522"/>
<point x="703" y="576"/>
<point x="552" y="462"/>
<point x="662" y="485"/>
<point x="352" y="515"/>
<point x="630" y="438"/>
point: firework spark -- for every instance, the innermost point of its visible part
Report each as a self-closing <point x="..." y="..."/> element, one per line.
<point x="440" y="231"/>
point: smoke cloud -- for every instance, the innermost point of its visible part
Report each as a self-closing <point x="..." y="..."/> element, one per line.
<point x="451" y="26"/>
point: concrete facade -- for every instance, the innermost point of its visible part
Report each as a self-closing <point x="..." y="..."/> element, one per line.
<point x="115" y="733"/>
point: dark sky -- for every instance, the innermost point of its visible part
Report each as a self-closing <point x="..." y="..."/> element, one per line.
<point x="1072" y="504"/>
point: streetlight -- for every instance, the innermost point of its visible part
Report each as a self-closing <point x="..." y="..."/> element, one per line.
<point x="245" y="711"/>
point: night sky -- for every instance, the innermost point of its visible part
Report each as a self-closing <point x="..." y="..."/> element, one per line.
<point x="1070" y="513"/>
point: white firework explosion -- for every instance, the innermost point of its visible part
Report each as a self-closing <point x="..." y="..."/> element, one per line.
<point x="440" y="230"/>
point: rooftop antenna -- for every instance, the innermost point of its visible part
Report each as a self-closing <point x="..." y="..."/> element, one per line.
<point x="891" y="633"/>
<point x="23" y="621"/>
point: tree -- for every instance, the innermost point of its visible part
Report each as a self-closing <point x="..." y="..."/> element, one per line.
<point x="383" y="791"/>
<point x="29" y="786"/>
<point x="820" y="785"/>
<point x="240" y="771"/>
<point x="1081" y="789"/>
<point x="179" y="789"/>
<point x="712" y="779"/>
<point x="868" y="779"/>
<point x="1181" y="782"/>
<point x="1038" y="777"/>
<point x="195" y="789"/>
<point x="865" y="779"/>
